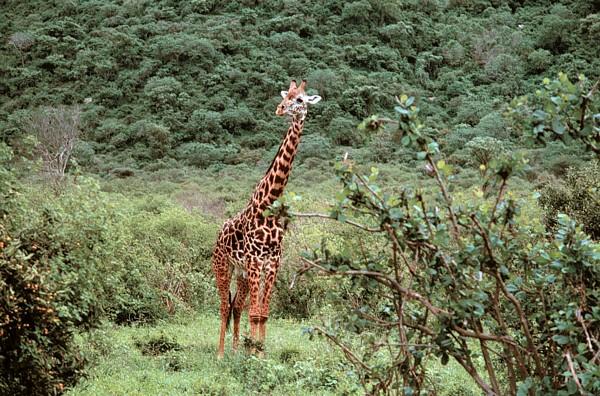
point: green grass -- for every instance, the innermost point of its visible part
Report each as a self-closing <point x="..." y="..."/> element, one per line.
<point x="294" y="365"/>
<point x="177" y="357"/>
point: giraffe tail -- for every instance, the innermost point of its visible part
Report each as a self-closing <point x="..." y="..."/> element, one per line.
<point x="230" y="312"/>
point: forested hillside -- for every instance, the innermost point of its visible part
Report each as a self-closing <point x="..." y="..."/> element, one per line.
<point x="198" y="81"/>
<point x="443" y="210"/>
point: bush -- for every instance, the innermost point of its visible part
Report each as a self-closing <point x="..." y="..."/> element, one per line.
<point x="576" y="196"/>
<point x="315" y="146"/>
<point x="157" y="137"/>
<point x="445" y="279"/>
<point x="178" y="248"/>
<point x="37" y="353"/>
<point x="342" y="131"/>
<point x="163" y="91"/>
<point x="205" y="154"/>
<point x="47" y="291"/>
<point x="482" y="149"/>
<point x="503" y="67"/>
<point x="539" y="60"/>
<point x="238" y="120"/>
<point x="206" y="126"/>
<point x="456" y="139"/>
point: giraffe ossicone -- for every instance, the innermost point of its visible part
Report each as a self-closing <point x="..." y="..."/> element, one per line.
<point x="248" y="248"/>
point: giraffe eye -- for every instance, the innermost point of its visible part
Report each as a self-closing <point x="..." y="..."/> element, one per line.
<point x="299" y="100"/>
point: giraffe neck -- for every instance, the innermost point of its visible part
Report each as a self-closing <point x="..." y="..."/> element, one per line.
<point x="271" y="186"/>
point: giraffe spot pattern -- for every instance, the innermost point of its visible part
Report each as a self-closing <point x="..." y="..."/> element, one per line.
<point x="252" y="241"/>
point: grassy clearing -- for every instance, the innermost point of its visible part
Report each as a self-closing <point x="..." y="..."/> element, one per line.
<point x="178" y="358"/>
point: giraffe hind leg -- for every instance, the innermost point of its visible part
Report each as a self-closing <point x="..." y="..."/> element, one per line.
<point x="269" y="274"/>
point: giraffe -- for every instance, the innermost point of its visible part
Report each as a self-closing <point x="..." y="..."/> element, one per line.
<point x="249" y="245"/>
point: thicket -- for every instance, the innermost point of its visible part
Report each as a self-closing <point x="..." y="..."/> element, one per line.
<point x="436" y="277"/>
<point x="67" y="261"/>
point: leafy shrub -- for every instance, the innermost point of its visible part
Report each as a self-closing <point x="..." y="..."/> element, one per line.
<point x="259" y="140"/>
<point x="324" y="81"/>
<point x="182" y="47"/>
<point x="452" y="280"/>
<point x="454" y="53"/>
<point x="163" y="91"/>
<point x="157" y="345"/>
<point x="342" y="131"/>
<point x="238" y="120"/>
<point x="483" y="149"/>
<point x="314" y="145"/>
<point x="205" y="154"/>
<point x="503" y="67"/>
<point x="494" y="125"/>
<point x="109" y="128"/>
<point x="380" y="149"/>
<point x="539" y="60"/>
<point x="577" y="196"/>
<point x="206" y="125"/>
<point x="37" y="353"/>
<point x="553" y="26"/>
<point x="458" y="137"/>
<point x="84" y="154"/>
<point x="303" y="300"/>
<point x="559" y="110"/>
<point x="356" y="11"/>
<point x="178" y="247"/>
<point x="155" y="136"/>
<point x="471" y="110"/>
<point x="47" y="291"/>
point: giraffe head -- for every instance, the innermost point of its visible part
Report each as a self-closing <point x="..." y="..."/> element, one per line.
<point x="295" y="101"/>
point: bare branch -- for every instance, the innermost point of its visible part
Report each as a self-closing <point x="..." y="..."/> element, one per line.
<point x="411" y="294"/>
<point x="573" y="373"/>
<point x="57" y="131"/>
<point x="351" y="356"/>
<point x="447" y="198"/>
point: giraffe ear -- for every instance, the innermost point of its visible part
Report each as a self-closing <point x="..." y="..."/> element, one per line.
<point x="284" y="94"/>
<point x="312" y="99"/>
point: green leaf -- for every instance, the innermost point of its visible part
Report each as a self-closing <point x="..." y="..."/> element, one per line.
<point x="401" y="110"/>
<point x="421" y="155"/>
<point x="524" y="387"/>
<point x="539" y="115"/>
<point x="433" y="148"/>
<point x="558" y="126"/>
<point x="561" y="339"/>
<point x="538" y="129"/>
<point x="395" y="213"/>
<point x="405" y="141"/>
<point x="556" y="100"/>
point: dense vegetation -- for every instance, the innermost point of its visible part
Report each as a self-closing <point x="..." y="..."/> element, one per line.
<point x="167" y="108"/>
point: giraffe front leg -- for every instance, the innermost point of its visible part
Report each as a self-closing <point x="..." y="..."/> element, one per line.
<point x="238" y="306"/>
<point x="269" y="282"/>
<point x="254" y="313"/>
